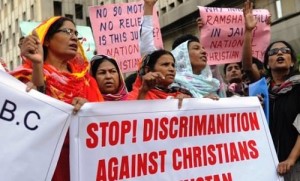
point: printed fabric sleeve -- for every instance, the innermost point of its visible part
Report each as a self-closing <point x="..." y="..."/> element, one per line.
<point x="146" y="36"/>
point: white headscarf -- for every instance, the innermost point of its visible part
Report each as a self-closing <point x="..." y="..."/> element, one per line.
<point x="198" y="85"/>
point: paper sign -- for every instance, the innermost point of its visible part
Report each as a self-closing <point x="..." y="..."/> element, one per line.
<point x="116" y="32"/>
<point x="223" y="34"/>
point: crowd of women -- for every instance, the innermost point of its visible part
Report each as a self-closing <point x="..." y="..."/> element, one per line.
<point x="54" y="63"/>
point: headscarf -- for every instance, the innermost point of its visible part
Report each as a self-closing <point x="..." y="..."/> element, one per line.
<point x="154" y="93"/>
<point x="122" y="92"/>
<point x="63" y="85"/>
<point x="198" y="85"/>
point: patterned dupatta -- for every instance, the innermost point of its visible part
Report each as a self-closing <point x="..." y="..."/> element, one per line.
<point x="63" y="85"/>
<point x="283" y="88"/>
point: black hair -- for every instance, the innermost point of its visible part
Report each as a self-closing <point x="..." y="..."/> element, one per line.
<point x="227" y="64"/>
<point x="97" y="60"/>
<point x="293" y="56"/>
<point x="150" y="60"/>
<point x="258" y="63"/>
<point x="130" y="80"/>
<point x="21" y="38"/>
<point x="53" y="29"/>
<point x="184" y="38"/>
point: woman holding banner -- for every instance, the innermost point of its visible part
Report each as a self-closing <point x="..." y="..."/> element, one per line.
<point x="109" y="78"/>
<point x="193" y="72"/>
<point x="56" y="64"/>
<point x="284" y="87"/>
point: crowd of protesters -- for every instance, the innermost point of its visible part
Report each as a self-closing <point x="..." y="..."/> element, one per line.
<point x="54" y="63"/>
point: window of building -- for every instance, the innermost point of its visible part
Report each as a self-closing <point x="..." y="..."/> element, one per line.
<point x="5" y="10"/>
<point x="9" y="30"/>
<point x="14" y="39"/>
<point x="171" y="6"/>
<point x="17" y="25"/>
<point x="24" y="16"/>
<point x="163" y="10"/>
<point x="78" y="11"/>
<point x="1" y="50"/>
<point x="278" y="8"/>
<point x="11" y="65"/>
<point x="32" y="12"/>
<point x="179" y="2"/>
<point x="88" y="22"/>
<point x="69" y="16"/>
<point x="6" y="46"/>
<point x="19" y="60"/>
<point x="57" y="8"/>
<point x="12" y="5"/>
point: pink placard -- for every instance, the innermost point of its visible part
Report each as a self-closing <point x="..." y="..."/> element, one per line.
<point x="116" y="32"/>
<point x="223" y="34"/>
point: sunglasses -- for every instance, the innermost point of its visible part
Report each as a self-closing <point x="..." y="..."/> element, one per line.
<point x="274" y="51"/>
<point x="68" y="31"/>
<point x="100" y="57"/>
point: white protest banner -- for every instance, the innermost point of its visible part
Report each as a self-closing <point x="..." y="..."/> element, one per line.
<point x="85" y="35"/>
<point x="116" y="32"/>
<point x="222" y="34"/>
<point x="32" y="130"/>
<point x="211" y="140"/>
<point x="1" y="67"/>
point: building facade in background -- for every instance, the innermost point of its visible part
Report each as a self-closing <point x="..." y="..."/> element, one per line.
<point x="177" y="17"/>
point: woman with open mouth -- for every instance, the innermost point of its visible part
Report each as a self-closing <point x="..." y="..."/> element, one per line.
<point x="283" y="80"/>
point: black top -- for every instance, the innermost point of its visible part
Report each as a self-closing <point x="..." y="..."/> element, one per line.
<point x="283" y="111"/>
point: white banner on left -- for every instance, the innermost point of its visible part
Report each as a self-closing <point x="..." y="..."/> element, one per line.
<point x="32" y="130"/>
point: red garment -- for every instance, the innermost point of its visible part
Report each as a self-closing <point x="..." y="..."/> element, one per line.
<point x="151" y="94"/>
<point x="63" y="86"/>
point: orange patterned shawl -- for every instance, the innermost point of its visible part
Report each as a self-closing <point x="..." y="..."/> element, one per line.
<point x="62" y="85"/>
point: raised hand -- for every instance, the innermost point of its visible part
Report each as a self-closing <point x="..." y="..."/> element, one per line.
<point x="250" y="21"/>
<point x="150" y="80"/>
<point x="32" y="48"/>
<point x="148" y="6"/>
<point x="150" y="2"/>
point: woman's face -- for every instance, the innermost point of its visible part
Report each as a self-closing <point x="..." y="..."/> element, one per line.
<point x="166" y="65"/>
<point x="108" y="78"/>
<point x="280" y="57"/>
<point x="198" y="57"/>
<point x="64" y="42"/>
